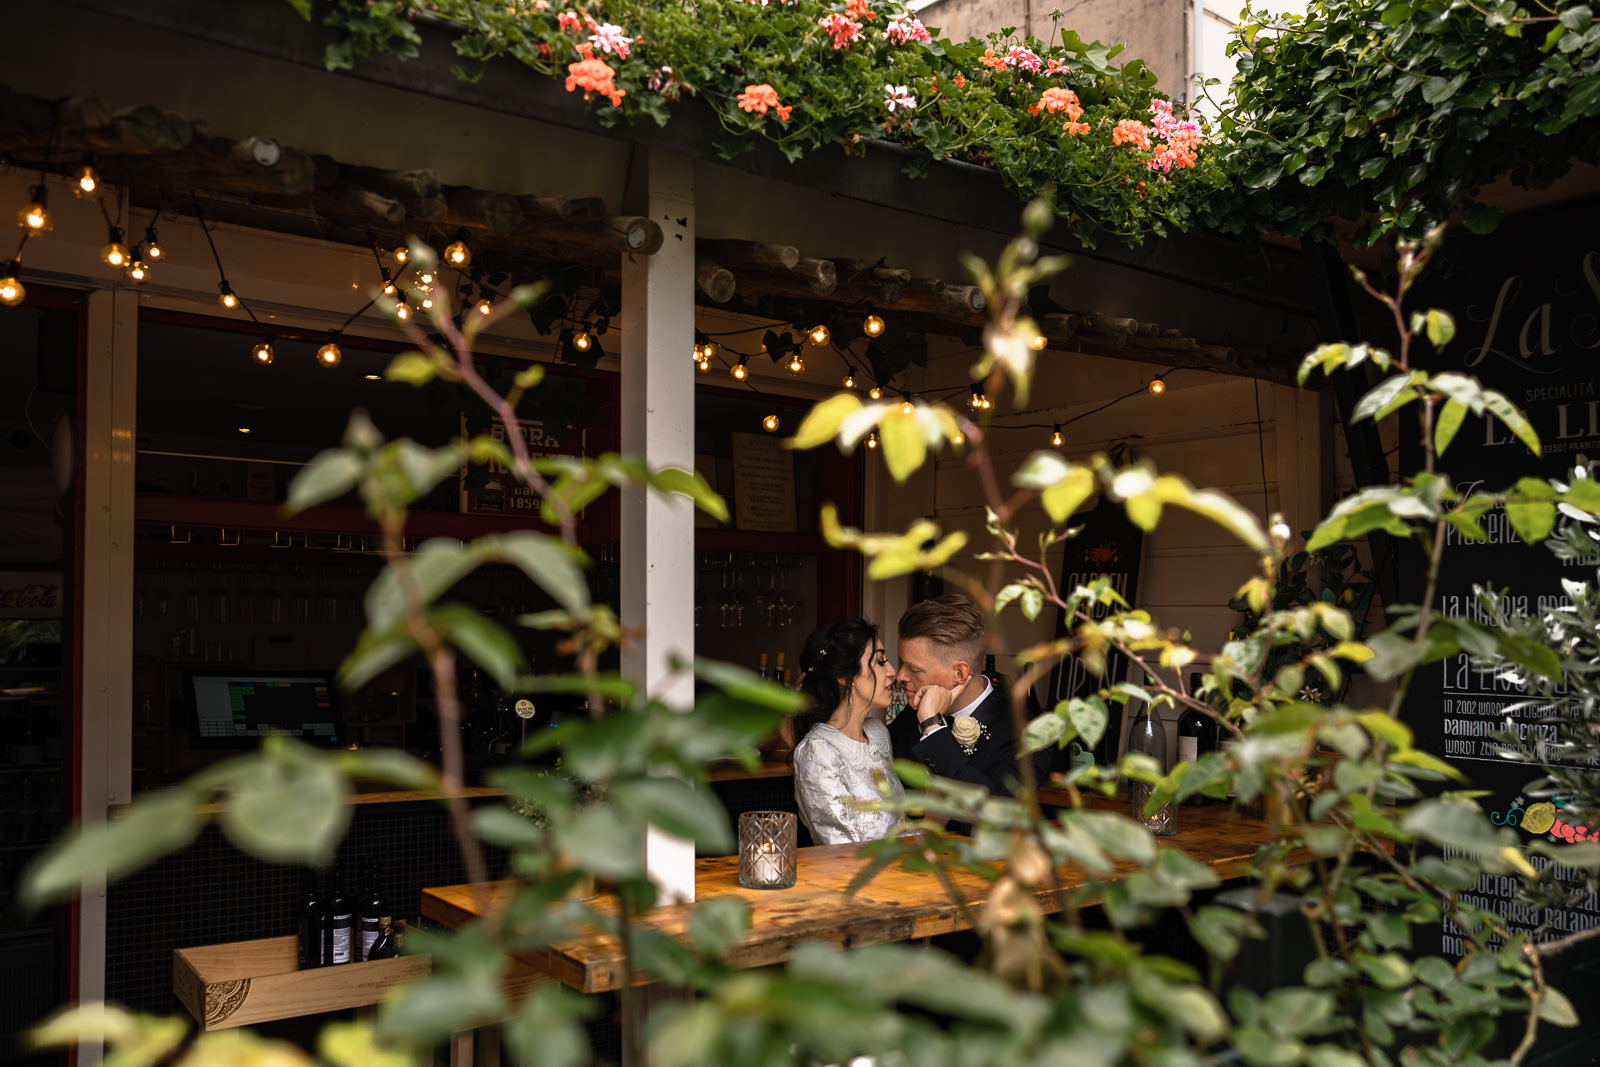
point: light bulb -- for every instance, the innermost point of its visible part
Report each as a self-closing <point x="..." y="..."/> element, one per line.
<point x="820" y="334"/>
<point x="402" y="310"/>
<point x="115" y="254"/>
<point x="1037" y="342"/>
<point x="401" y="254"/>
<point x="87" y="184"/>
<point x="959" y="439"/>
<point x="12" y="291"/>
<point x="427" y="302"/>
<point x="977" y="401"/>
<point x="709" y="349"/>
<point x="1055" y="438"/>
<point x="373" y="377"/>
<point x="905" y="407"/>
<point x="152" y="247"/>
<point x="872" y="439"/>
<point x="875" y="393"/>
<point x="329" y="355"/>
<point x="425" y="277"/>
<point x="389" y="288"/>
<point x="872" y="326"/>
<point x="704" y="365"/>
<point x="35" y="218"/>
<point x="244" y="429"/>
<point x="849" y="379"/>
<point x="581" y="340"/>
<point x="740" y="371"/>
<point x="227" y="299"/>
<point x="138" y="273"/>
<point x="1157" y="386"/>
<point x="457" y="254"/>
<point x="796" y="364"/>
<point x="262" y="352"/>
<point x="485" y="306"/>
<point x="770" y="423"/>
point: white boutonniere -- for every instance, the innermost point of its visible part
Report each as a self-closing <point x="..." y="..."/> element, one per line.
<point x="967" y="732"/>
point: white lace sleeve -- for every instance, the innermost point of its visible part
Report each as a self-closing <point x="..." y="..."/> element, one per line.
<point x="826" y="780"/>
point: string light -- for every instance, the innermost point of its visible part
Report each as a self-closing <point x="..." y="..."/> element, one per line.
<point x="152" y="246"/>
<point x="1055" y="438"/>
<point x="796" y="364"/>
<point x="875" y="393"/>
<point x="820" y="334"/>
<point x="12" y="291"/>
<point x="1157" y="386"/>
<point x="389" y="288"/>
<point x="456" y="253"/>
<point x="402" y="309"/>
<point x="872" y="439"/>
<point x="581" y="340"/>
<point x="35" y="218"/>
<point x="115" y="254"/>
<point x="87" y="184"/>
<point x="906" y="407"/>
<point x="425" y="277"/>
<point x="704" y="365"/>
<point x="979" y="400"/>
<point x="770" y="423"/>
<point x="262" y="352"/>
<point x="485" y="306"/>
<point x="1038" y="341"/>
<point x="427" y="304"/>
<point x="849" y="377"/>
<point x="227" y="299"/>
<point x="329" y="355"/>
<point x="959" y="439"/>
<point x="740" y="372"/>
<point x="872" y="326"/>
<point x="401" y="253"/>
<point x="138" y="273"/>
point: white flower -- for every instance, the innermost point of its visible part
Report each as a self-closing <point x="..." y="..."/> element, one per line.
<point x="900" y="96"/>
<point x="965" y="729"/>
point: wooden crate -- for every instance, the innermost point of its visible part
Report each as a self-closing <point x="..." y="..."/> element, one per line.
<point x="247" y="982"/>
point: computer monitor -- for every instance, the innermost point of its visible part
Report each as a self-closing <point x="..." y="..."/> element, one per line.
<point x="240" y="708"/>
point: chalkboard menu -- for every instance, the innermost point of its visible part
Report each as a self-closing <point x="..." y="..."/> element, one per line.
<point x="1526" y="301"/>
<point x="1107" y="545"/>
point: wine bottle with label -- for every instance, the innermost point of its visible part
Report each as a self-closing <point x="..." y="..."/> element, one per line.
<point x="1197" y="735"/>
<point x="384" y="947"/>
<point x="341" y="925"/>
<point x="374" y="914"/>
<point x="313" y="919"/>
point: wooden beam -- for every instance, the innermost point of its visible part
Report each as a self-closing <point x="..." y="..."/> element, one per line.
<point x="751" y="254"/>
<point x="417" y="184"/>
<point x="495" y="212"/>
<point x="716" y="282"/>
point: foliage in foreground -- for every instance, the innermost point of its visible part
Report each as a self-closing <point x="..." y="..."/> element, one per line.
<point x="1388" y="852"/>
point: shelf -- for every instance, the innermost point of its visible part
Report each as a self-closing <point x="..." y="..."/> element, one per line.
<point x="165" y="509"/>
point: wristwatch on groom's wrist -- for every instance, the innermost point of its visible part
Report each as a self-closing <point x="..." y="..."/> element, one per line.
<point x="927" y="726"/>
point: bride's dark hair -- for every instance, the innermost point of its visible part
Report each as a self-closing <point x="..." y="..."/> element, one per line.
<point x="830" y="662"/>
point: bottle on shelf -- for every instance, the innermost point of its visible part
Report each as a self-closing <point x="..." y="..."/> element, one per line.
<point x="762" y="669"/>
<point x="341" y="925"/>
<point x="385" y="946"/>
<point x="781" y="675"/>
<point x="1148" y="734"/>
<point x="313" y="916"/>
<point x="374" y="917"/>
<point x="1197" y="735"/>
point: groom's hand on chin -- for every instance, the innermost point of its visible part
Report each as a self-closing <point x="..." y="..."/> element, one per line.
<point x="933" y="700"/>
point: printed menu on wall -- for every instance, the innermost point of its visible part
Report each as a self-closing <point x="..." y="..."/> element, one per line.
<point x="490" y="489"/>
<point x="763" y="484"/>
<point x="1527" y="311"/>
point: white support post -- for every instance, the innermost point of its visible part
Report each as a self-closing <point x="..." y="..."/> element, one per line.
<point x="658" y="558"/>
<point x="106" y="613"/>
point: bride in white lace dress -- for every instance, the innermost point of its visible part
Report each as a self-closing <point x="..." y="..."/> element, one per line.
<point x="844" y="750"/>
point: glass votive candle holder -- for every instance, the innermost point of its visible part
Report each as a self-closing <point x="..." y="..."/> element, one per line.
<point x="767" y="849"/>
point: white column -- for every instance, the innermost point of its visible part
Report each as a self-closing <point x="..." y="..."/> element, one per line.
<point x="1297" y="421"/>
<point x="658" y="425"/>
<point x="106" y="597"/>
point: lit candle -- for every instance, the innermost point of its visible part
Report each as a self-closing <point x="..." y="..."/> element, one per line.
<point x="768" y="866"/>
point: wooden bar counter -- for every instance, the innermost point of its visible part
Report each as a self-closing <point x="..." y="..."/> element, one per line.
<point x="896" y="905"/>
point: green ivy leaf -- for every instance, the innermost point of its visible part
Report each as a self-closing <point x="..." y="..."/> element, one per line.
<point x="147" y="829"/>
<point x="333" y="473"/>
<point x="287" y="804"/>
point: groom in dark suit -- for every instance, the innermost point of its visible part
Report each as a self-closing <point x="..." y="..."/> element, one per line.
<point x="958" y="724"/>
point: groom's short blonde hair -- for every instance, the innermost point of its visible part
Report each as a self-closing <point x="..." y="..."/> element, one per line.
<point x="952" y="622"/>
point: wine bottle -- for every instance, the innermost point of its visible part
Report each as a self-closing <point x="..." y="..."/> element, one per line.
<point x="374" y="914"/>
<point x="1197" y="735"/>
<point x="384" y="947"/>
<point x="1148" y="734"/>
<point x="313" y="923"/>
<point x="763" y="668"/>
<point x="341" y="923"/>
<point x="782" y="672"/>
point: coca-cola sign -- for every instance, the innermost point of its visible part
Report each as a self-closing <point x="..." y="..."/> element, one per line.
<point x="30" y="595"/>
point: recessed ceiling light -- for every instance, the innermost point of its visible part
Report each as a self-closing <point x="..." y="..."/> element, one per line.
<point x="374" y="377"/>
<point x="244" y="429"/>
